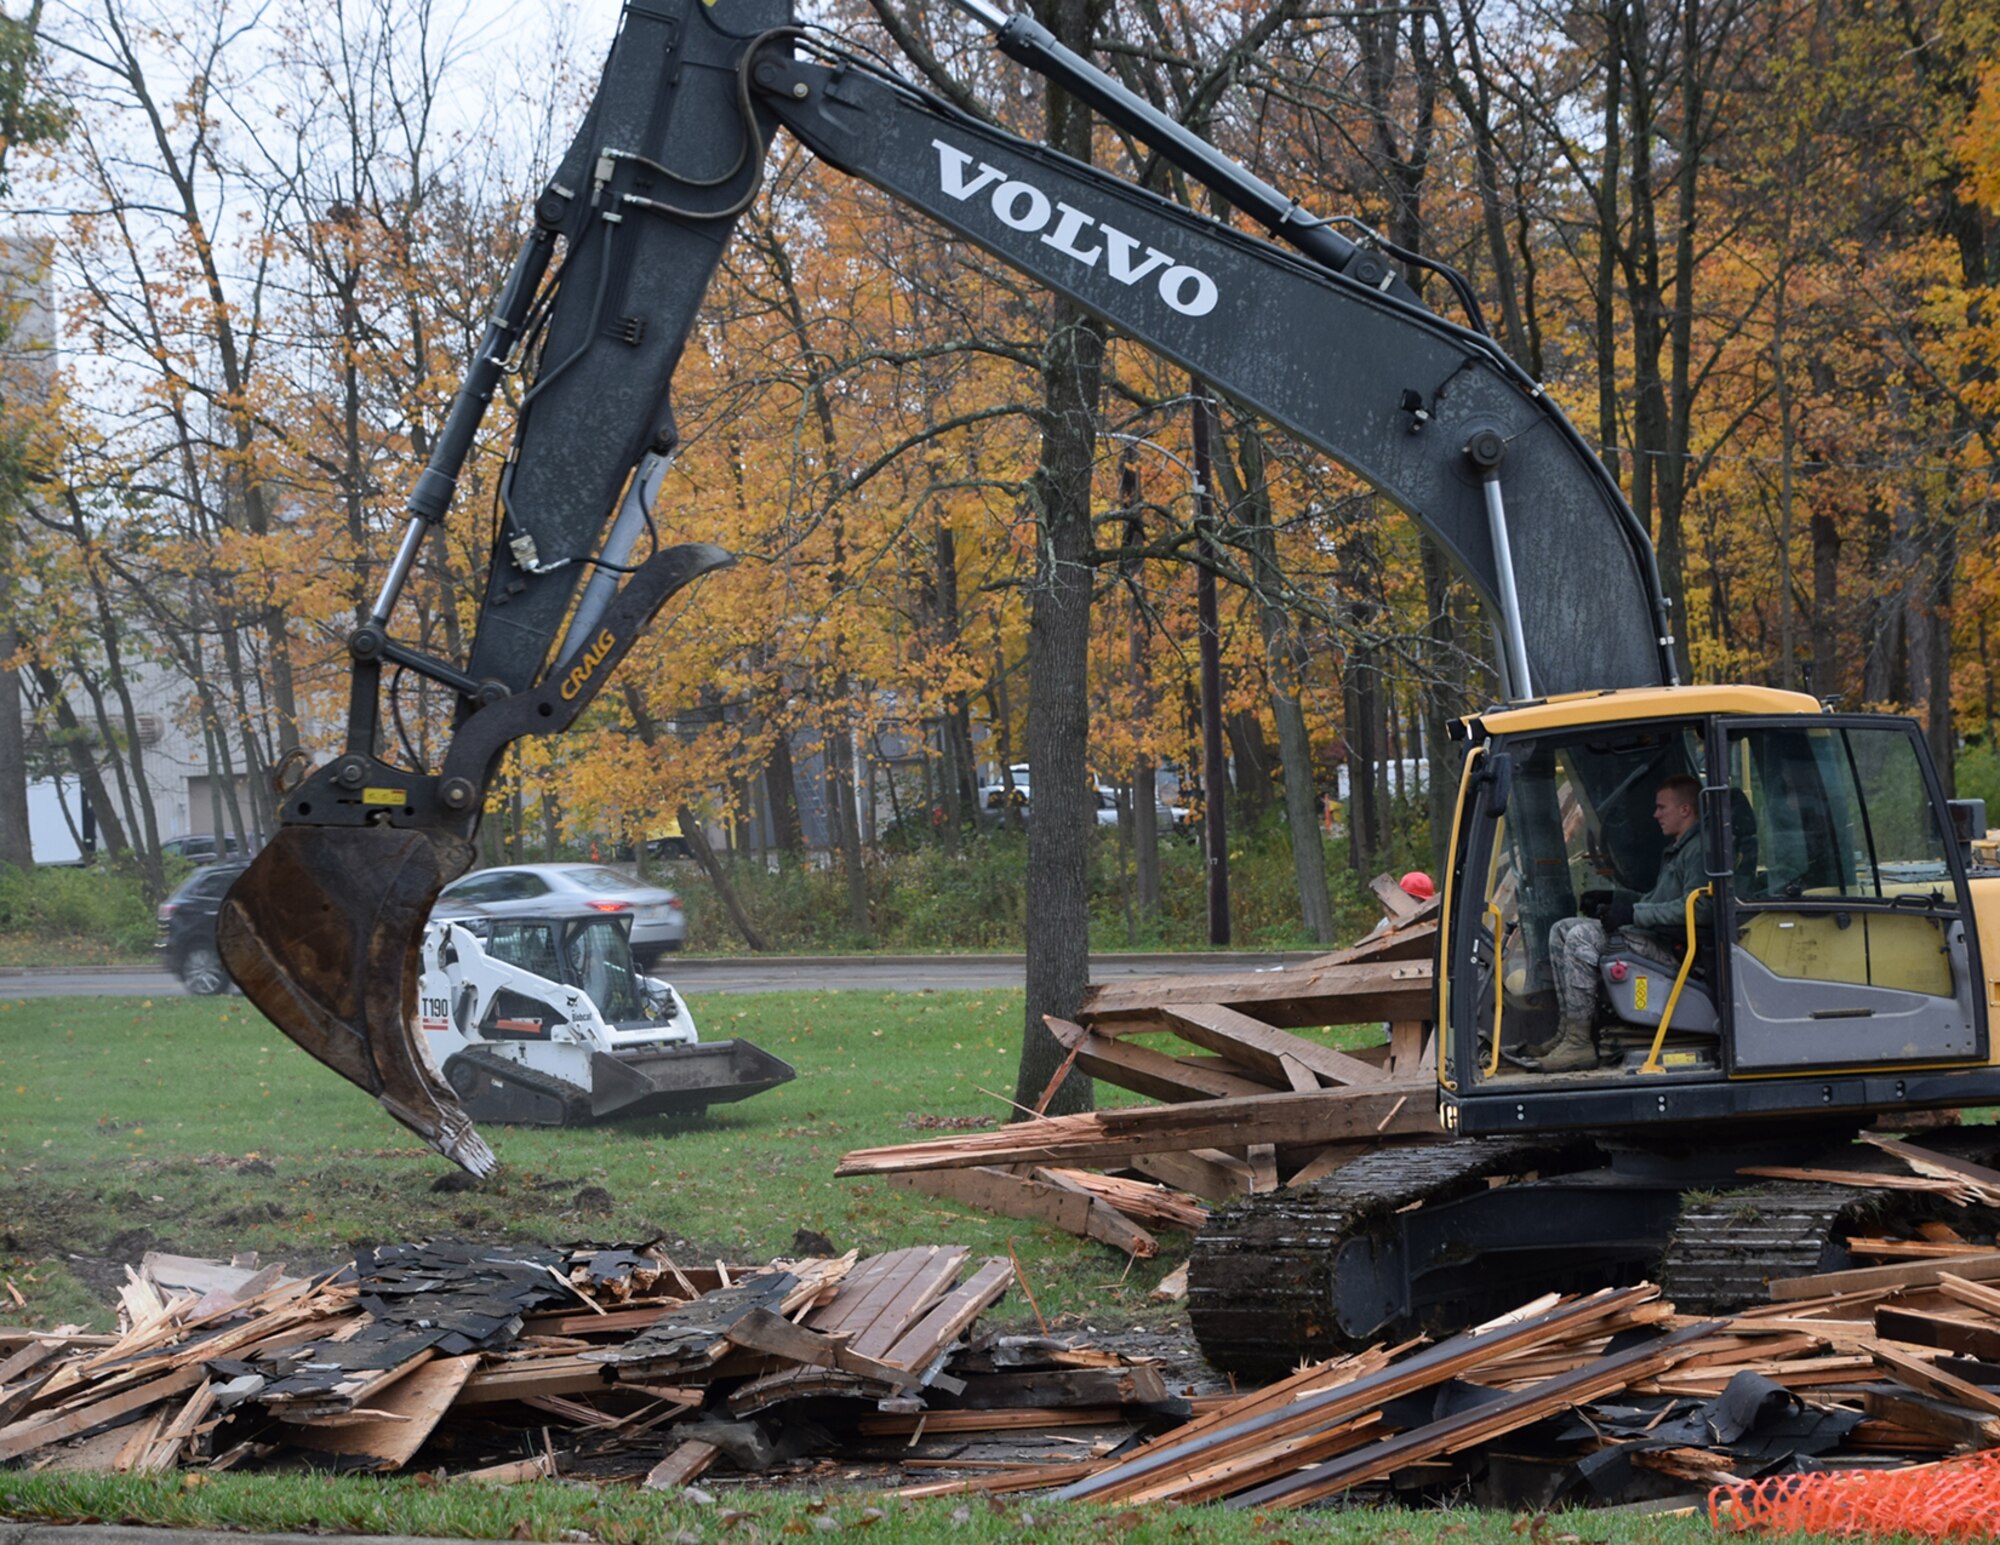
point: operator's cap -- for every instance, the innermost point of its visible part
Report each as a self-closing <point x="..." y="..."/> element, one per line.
<point x="1418" y="884"/>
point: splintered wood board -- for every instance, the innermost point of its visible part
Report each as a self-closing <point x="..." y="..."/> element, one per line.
<point x="413" y="1406"/>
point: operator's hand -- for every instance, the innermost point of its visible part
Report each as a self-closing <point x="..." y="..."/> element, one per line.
<point x="1593" y="902"/>
<point x="1617" y="915"/>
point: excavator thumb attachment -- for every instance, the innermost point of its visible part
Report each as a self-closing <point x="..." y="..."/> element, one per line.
<point x="322" y="933"/>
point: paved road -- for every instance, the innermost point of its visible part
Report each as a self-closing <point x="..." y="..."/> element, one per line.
<point x="696" y="975"/>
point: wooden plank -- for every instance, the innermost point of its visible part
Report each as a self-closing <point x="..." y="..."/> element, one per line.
<point x="1262" y="1047"/>
<point x="1413" y="940"/>
<point x="1146" y="1203"/>
<point x="985" y="1421"/>
<point x="762" y="1331"/>
<point x="1971" y="1338"/>
<point x="24" y="1437"/>
<point x="858" y="1305"/>
<point x="1263" y="1159"/>
<point x="1911" y="1249"/>
<point x="1397" y="904"/>
<point x="1955" y="1283"/>
<point x="1332" y="1115"/>
<point x="1326" y="1408"/>
<point x="1013" y="1477"/>
<point x="932" y="1281"/>
<point x="1480" y="1424"/>
<point x="1928" y="1161"/>
<point x="1301" y="1077"/>
<point x="536" y="1376"/>
<point x="411" y="1409"/>
<point x="1104" y="1223"/>
<point x="179" y="1430"/>
<point x="684" y="1465"/>
<point x="921" y="1344"/>
<point x="1061" y="1388"/>
<point x="1209" y="1173"/>
<point x="511" y="1473"/>
<point x="1360" y="992"/>
<point x="1863" y="1279"/>
<point x="1146" y="1071"/>
<point x="1956" y="1190"/>
<point x="1927" y="1380"/>
<point x="1950" y="1424"/>
<point x="1016" y="1196"/>
<point x="1196" y="1481"/>
<point x="1411" y="1048"/>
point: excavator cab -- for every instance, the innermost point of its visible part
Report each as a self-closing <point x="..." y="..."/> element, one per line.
<point x="1822" y="951"/>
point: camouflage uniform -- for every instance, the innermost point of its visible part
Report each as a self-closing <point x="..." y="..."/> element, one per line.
<point x="1576" y="945"/>
<point x="1658" y="929"/>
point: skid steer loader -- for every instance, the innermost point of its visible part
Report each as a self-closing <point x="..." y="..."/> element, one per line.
<point x="546" y="1021"/>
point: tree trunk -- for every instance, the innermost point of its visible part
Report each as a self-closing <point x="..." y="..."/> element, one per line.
<point x="76" y="745"/>
<point x="1058" y="912"/>
<point x="695" y="835"/>
<point x="1826" y="680"/>
<point x="15" y="845"/>
<point x="782" y="793"/>
<point x="1256" y="790"/>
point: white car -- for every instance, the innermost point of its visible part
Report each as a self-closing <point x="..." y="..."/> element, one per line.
<point x="659" y="922"/>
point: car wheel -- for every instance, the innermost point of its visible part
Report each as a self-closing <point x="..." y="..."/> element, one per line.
<point x="202" y="973"/>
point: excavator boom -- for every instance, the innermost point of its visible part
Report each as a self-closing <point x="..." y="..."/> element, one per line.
<point x="1318" y="334"/>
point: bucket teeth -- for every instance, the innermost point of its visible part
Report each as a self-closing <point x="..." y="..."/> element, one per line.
<point x="349" y="905"/>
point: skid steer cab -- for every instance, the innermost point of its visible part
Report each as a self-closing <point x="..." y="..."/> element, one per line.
<point x="547" y="1021"/>
<point x="1703" y="905"/>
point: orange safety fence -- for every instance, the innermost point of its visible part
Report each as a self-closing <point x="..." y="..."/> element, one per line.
<point x="1955" y="1500"/>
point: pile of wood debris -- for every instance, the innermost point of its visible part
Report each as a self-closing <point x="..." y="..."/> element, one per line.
<point x="475" y="1357"/>
<point x="616" y="1364"/>
<point x="1245" y="1105"/>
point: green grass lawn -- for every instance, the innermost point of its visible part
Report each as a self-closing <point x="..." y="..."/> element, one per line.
<point x="553" y="1510"/>
<point x="192" y="1125"/>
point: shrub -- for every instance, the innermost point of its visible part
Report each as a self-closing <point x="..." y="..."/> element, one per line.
<point x="101" y="907"/>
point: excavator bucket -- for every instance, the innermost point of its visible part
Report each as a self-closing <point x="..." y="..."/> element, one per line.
<point x="323" y="933"/>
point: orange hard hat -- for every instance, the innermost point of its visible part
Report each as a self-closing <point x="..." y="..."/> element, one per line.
<point x="1418" y="884"/>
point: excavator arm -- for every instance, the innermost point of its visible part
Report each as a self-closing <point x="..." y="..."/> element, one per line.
<point x="1318" y="335"/>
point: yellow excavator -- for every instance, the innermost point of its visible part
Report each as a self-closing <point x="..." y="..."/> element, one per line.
<point x="1828" y="970"/>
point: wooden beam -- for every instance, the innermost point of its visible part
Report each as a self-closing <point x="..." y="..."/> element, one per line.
<point x="1864" y="1278"/>
<point x="1146" y="1071"/>
<point x="1927" y="1380"/>
<point x="1950" y="1424"/>
<point x="1209" y="1173"/>
<point x="1353" y="994"/>
<point x="1290" y="1120"/>
<point x="762" y="1331"/>
<point x="1262" y="1047"/>
<point x="1969" y="1338"/>
<point x="1039" y="1201"/>
<point x="684" y="1465"/>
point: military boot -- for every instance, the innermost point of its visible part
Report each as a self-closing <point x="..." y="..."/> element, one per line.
<point x="1574" y="1048"/>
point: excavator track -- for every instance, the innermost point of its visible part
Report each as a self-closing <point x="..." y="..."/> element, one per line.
<point x="1422" y="1239"/>
<point x="1267" y="1274"/>
<point x="1727" y="1247"/>
<point x="498" y="1089"/>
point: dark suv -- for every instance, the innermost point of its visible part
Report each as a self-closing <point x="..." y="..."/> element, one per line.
<point x="187" y="928"/>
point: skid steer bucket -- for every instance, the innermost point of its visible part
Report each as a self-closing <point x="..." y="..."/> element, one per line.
<point x="683" y="1080"/>
<point x="322" y="932"/>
